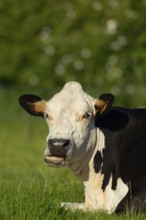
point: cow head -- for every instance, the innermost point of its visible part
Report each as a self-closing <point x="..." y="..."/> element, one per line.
<point x="70" y="116"/>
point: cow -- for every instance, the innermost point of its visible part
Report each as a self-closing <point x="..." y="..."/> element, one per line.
<point x="103" y="145"/>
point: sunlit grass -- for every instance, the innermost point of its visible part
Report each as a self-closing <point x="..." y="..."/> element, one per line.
<point x="28" y="188"/>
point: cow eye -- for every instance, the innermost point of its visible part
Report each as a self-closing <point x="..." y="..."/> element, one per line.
<point x="87" y="115"/>
<point x="46" y="116"/>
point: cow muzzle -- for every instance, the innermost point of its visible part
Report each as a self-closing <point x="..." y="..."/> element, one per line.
<point x="58" y="149"/>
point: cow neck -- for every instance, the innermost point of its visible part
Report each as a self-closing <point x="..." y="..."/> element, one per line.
<point x="80" y="165"/>
<point x="98" y="196"/>
<point x="98" y="148"/>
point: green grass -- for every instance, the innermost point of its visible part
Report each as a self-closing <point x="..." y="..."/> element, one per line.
<point x="28" y="188"/>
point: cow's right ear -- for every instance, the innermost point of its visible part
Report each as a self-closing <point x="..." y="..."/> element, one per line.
<point x="33" y="104"/>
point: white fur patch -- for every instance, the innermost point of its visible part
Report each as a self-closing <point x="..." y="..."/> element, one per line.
<point x="108" y="200"/>
<point x="100" y="141"/>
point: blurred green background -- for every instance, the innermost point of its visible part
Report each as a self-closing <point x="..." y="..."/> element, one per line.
<point x="43" y="44"/>
<point x="101" y="44"/>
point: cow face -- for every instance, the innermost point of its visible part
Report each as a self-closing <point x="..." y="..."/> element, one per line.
<point x="70" y="116"/>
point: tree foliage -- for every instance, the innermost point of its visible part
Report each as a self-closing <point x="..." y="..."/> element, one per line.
<point x="100" y="43"/>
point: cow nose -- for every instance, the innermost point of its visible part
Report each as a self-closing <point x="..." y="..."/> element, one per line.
<point x="64" y="143"/>
<point x="58" y="147"/>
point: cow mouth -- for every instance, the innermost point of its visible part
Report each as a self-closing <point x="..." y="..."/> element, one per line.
<point x="54" y="161"/>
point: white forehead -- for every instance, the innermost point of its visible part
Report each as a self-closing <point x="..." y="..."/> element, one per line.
<point x="72" y="96"/>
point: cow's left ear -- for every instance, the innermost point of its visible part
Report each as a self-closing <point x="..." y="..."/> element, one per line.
<point x="33" y="104"/>
<point x="103" y="103"/>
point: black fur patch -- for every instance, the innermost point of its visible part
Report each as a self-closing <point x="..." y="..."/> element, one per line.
<point x="98" y="160"/>
<point x="115" y="120"/>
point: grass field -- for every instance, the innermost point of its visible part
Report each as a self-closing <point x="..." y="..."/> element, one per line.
<point x="29" y="190"/>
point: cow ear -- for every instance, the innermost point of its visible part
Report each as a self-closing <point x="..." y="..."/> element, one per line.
<point x="33" y="104"/>
<point x="103" y="103"/>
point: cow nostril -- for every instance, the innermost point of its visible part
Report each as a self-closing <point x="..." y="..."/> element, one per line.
<point x="58" y="142"/>
<point x="66" y="143"/>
